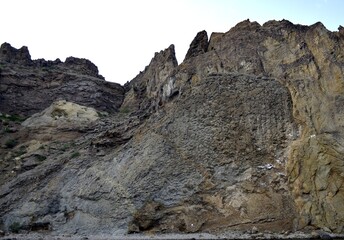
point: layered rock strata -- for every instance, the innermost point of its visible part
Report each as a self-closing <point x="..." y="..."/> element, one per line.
<point x="29" y="86"/>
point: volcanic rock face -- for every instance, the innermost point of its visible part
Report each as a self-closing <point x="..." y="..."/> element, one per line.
<point x="246" y="133"/>
<point x="198" y="46"/>
<point x="152" y="86"/>
<point x="29" y="86"/>
<point x="222" y="157"/>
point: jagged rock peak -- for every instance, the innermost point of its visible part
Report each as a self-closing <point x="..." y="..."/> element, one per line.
<point x="341" y="29"/>
<point x="165" y="59"/>
<point x="198" y="46"/>
<point x="167" y="55"/>
<point x="22" y="56"/>
<point x="13" y="55"/>
<point x="144" y="92"/>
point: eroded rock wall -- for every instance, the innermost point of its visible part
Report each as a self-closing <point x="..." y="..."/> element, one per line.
<point x="308" y="60"/>
<point x="29" y="86"/>
<point x="245" y="132"/>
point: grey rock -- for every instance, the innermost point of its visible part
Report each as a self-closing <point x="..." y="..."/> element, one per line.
<point x="247" y="133"/>
<point x="151" y="87"/>
<point x="13" y="55"/>
<point x="28" y="87"/>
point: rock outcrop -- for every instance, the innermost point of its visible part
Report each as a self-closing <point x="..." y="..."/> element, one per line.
<point x="29" y="86"/>
<point x="245" y="134"/>
<point x="62" y="114"/>
<point x="150" y="88"/>
<point x="12" y="55"/>
<point x="198" y="46"/>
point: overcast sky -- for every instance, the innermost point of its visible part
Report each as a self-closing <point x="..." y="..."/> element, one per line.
<point x="121" y="36"/>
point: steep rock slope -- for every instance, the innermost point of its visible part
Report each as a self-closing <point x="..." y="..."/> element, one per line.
<point x="147" y="90"/>
<point x="308" y="61"/>
<point x="245" y="132"/>
<point x="215" y="160"/>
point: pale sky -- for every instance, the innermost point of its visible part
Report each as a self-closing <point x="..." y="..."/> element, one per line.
<point x="121" y="36"/>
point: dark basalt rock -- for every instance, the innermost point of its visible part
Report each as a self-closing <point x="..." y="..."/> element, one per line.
<point x="12" y="55"/>
<point x="29" y="86"/>
<point x="198" y="46"/>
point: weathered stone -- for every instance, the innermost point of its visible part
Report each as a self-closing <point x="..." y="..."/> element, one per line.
<point x="62" y="113"/>
<point x="83" y="66"/>
<point x="198" y="46"/>
<point x="150" y="88"/>
<point x="245" y="134"/>
<point x="12" y="55"/>
<point x="28" y="87"/>
<point x="203" y="157"/>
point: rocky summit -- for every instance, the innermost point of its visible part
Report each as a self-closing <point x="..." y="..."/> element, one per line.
<point x="246" y="134"/>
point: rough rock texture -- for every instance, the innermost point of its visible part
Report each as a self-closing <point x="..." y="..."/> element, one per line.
<point x="29" y="86"/>
<point x="222" y="157"/>
<point x="12" y="55"/>
<point x="62" y="113"/>
<point x="245" y="134"/>
<point x="147" y="91"/>
<point x="198" y="46"/>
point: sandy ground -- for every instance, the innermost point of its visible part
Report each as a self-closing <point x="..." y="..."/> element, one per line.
<point x="233" y="235"/>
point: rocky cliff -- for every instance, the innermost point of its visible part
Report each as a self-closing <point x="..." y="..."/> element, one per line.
<point x="246" y="133"/>
<point x="29" y="86"/>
